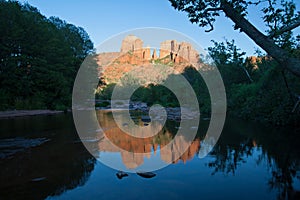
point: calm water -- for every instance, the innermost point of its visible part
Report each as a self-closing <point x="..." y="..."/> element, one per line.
<point x="46" y="160"/>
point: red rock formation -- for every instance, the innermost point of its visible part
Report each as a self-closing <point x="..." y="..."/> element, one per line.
<point x="104" y="59"/>
<point x="114" y="65"/>
<point x="146" y="54"/>
<point x="167" y="47"/>
<point x="178" y="52"/>
<point x="154" y="54"/>
<point x="254" y="61"/>
<point x="131" y="43"/>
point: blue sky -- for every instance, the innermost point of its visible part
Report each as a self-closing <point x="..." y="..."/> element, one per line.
<point x="103" y="19"/>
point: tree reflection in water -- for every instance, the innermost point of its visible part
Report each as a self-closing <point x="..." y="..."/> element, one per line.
<point x="279" y="149"/>
<point x="47" y="170"/>
<point x="239" y="141"/>
<point x="63" y="163"/>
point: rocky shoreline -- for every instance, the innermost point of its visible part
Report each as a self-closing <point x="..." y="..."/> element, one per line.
<point x="173" y="113"/>
<point x="23" y="113"/>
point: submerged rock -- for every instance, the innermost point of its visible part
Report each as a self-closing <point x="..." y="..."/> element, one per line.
<point x="121" y="175"/>
<point x="146" y="174"/>
<point x="11" y="146"/>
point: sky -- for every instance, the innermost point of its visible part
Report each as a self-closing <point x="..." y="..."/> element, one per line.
<point x="102" y="19"/>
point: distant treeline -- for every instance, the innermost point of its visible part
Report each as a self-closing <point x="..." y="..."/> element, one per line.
<point x="39" y="58"/>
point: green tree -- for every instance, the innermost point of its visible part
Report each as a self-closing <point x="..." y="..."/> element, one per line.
<point x="230" y="62"/>
<point x="39" y="57"/>
<point x="280" y="18"/>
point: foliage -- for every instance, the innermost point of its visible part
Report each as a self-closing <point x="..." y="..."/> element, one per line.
<point x="158" y="94"/>
<point x="266" y="97"/>
<point x="280" y="17"/>
<point x="230" y="62"/>
<point x="276" y="16"/>
<point x="266" y="100"/>
<point x="264" y="90"/>
<point x="39" y="58"/>
<point x="225" y="53"/>
<point x="106" y="93"/>
<point x="276" y="13"/>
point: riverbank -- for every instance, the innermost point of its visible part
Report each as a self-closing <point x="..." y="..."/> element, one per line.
<point x="23" y="113"/>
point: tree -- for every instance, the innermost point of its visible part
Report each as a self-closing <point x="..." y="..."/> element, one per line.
<point x="280" y="19"/>
<point x="230" y="61"/>
<point x="39" y="58"/>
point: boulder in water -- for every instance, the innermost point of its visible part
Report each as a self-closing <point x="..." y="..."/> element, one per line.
<point x="146" y="174"/>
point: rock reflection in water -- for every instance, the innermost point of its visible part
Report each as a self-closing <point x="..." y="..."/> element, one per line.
<point x="247" y="157"/>
<point x="133" y="150"/>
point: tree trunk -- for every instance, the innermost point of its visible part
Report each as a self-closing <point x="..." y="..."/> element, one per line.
<point x="280" y="55"/>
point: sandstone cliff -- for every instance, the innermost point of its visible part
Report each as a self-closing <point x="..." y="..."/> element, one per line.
<point x="113" y="65"/>
<point x="254" y="61"/>
<point x="178" y="52"/>
<point x="131" y="43"/>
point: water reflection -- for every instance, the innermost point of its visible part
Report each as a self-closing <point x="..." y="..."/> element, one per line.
<point x="134" y="150"/>
<point x="241" y="142"/>
<point x="37" y="172"/>
<point x="277" y="149"/>
<point x="249" y="161"/>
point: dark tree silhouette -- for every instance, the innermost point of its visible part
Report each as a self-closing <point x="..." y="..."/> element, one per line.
<point x="280" y="18"/>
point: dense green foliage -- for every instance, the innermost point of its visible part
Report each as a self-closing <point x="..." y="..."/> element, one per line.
<point x="280" y="17"/>
<point x="158" y="94"/>
<point x="265" y="90"/>
<point x="258" y="91"/>
<point x="39" y="58"/>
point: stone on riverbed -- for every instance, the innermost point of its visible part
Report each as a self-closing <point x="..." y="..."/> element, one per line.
<point x="146" y="174"/>
<point x="121" y="175"/>
<point x="11" y="146"/>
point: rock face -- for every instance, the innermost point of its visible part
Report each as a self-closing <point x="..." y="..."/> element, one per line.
<point x="167" y="47"/>
<point x="112" y="65"/>
<point x="254" y="61"/>
<point x="178" y="52"/>
<point x="154" y="55"/>
<point x="146" y="53"/>
<point x="134" y="45"/>
<point x="131" y="43"/>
